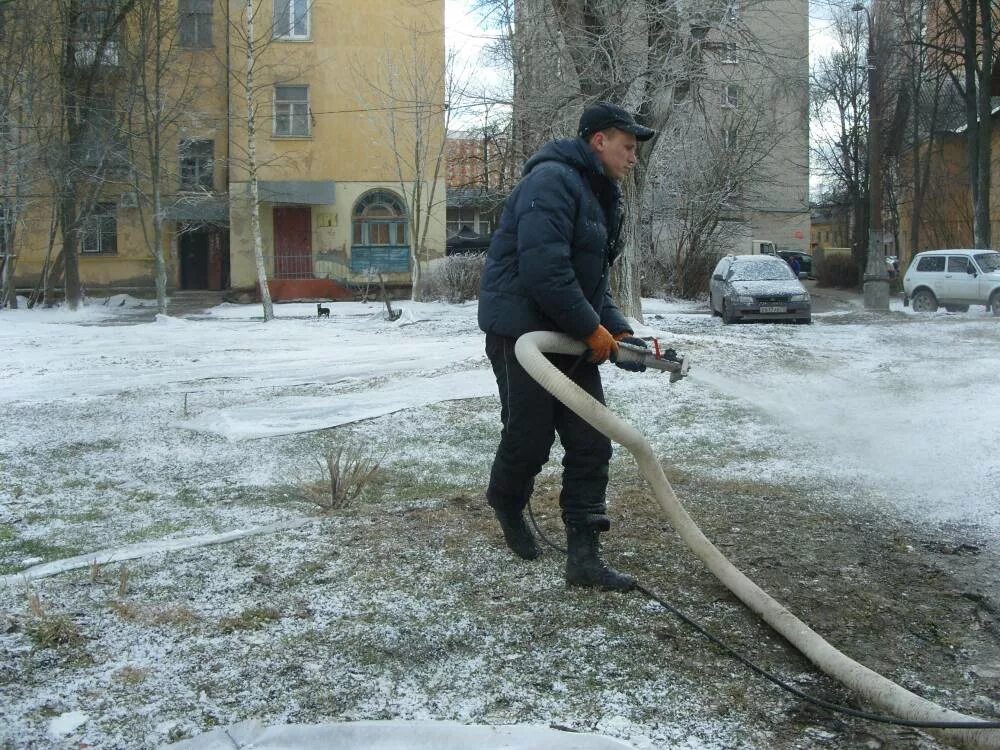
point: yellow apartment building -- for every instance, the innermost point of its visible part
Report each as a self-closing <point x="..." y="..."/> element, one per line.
<point x="945" y="216"/>
<point x="337" y="90"/>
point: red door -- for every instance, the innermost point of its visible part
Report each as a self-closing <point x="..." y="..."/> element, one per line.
<point x="293" y="242"/>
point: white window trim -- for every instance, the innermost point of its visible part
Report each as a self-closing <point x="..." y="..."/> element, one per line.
<point x="289" y="33"/>
<point x="274" y="110"/>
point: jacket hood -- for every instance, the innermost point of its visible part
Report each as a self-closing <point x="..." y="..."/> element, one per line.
<point x="572" y="151"/>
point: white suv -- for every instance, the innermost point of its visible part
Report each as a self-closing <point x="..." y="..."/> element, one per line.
<point x="955" y="279"/>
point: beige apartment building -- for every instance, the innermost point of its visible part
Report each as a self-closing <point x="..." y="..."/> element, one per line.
<point x="333" y="147"/>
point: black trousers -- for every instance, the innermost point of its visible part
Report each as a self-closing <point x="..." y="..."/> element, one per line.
<point x="531" y="417"/>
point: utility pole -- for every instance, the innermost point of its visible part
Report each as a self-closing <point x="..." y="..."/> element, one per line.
<point x="876" y="279"/>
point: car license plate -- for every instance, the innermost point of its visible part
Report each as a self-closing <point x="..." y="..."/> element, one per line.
<point x="773" y="309"/>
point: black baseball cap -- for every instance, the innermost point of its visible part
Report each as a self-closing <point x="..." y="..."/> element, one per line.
<point x="602" y="115"/>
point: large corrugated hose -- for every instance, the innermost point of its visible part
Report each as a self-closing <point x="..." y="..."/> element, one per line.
<point x="868" y="684"/>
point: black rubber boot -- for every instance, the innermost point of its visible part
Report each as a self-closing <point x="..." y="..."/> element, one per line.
<point x="584" y="566"/>
<point x="517" y="534"/>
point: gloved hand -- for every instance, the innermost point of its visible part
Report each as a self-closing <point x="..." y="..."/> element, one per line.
<point x="601" y="344"/>
<point x="626" y="337"/>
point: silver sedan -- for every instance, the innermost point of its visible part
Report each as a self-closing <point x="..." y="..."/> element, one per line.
<point x="757" y="287"/>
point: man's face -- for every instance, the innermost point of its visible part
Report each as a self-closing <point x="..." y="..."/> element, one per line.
<point x="616" y="150"/>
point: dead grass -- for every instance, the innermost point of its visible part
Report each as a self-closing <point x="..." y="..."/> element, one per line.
<point x="253" y="618"/>
<point x="155" y="615"/>
<point x="129" y="675"/>
<point x="53" y="631"/>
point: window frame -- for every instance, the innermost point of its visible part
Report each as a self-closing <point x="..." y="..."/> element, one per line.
<point x="397" y="225"/>
<point x="101" y="219"/>
<point x="192" y="11"/>
<point x="287" y="17"/>
<point x="291" y="115"/>
<point x="201" y="169"/>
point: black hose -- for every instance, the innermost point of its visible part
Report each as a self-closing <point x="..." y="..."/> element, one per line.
<point x="770" y="677"/>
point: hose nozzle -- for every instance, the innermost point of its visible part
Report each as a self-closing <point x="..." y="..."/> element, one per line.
<point x="665" y="360"/>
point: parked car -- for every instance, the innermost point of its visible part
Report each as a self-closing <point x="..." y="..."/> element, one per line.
<point x="805" y="261"/>
<point x="757" y="287"/>
<point x="955" y="279"/>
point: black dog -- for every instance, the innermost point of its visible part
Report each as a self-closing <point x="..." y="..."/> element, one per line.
<point x="322" y="312"/>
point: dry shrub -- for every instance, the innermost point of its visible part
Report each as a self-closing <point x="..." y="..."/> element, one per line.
<point x="455" y="278"/>
<point x="52" y="631"/>
<point x="345" y="472"/>
<point x="837" y="270"/>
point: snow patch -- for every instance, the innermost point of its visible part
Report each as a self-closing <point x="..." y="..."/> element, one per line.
<point x="67" y="723"/>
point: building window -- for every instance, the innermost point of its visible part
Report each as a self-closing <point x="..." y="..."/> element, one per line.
<point x="380" y="234"/>
<point x="197" y="165"/>
<point x="733" y="10"/>
<point x="729" y="54"/>
<point x="291" y="19"/>
<point x="91" y="24"/>
<point x="195" y="17"/>
<point x="458" y="218"/>
<point x="99" y="231"/>
<point x="731" y="96"/>
<point x="291" y="110"/>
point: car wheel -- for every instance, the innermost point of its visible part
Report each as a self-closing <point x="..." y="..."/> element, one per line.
<point x="957" y="308"/>
<point x="995" y="304"/>
<point x="727" y="314"/>
<point x="924" y="301"/>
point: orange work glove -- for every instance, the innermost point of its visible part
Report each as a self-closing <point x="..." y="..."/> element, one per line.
<point x="601" y="344"/>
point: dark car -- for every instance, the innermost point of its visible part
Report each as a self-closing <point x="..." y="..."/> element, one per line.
<point x="805" y="261"/>
<point x="757" y="287"/>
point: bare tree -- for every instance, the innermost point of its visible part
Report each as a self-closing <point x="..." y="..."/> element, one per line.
<point x="407" y="99"/>
<point x="90" y="45"/>
<point x="644" y="54"/>
<point x="17" y="154"/>
<point x="160" y="92"/>
<point x="249" y="81"/>
<point x="840" y="109"/>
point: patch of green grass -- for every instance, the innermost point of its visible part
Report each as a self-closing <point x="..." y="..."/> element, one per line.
<point x="81" y="448"/>
<point x="253" y="618"/>
<point x="87" y="516"/>
<point x="16" y="548"/>
<point x="188" y="497"/>
<point x="142" y="496"/>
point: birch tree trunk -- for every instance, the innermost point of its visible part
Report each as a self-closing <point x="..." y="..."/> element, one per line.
<point x="258" y="242"/>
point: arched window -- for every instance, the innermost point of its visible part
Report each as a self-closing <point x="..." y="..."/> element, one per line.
<point x="380" y="234"/>
<point x="379" y="219"/>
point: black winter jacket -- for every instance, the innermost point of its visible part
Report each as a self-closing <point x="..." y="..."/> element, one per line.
<point x="549" y="261"/>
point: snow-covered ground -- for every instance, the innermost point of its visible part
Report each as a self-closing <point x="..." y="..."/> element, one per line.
<point x="147" y="434"/>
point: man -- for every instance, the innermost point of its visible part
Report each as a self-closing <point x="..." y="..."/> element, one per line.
<point x="548" y="269"/>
